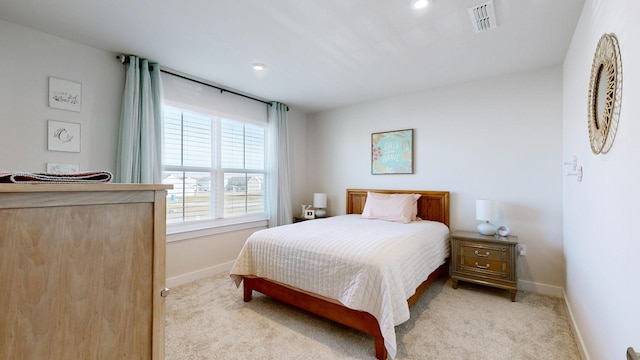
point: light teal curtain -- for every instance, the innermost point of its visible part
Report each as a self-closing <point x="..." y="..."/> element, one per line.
<point x="278" y="189"/>
<point x="140" y="141"/>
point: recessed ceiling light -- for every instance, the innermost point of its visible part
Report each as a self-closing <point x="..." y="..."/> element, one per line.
<point x="420" y="4"/>
<point x="258" y="66"/>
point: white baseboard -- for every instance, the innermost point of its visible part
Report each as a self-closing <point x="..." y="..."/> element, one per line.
<point x="199" y="274"/>
<point x="543" y="289"/>
<point x="558" y="292"/>
<point x="574" y="327"/>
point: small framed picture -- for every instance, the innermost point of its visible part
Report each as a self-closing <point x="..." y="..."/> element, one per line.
<point x="54" y="168"/>
<point x="309" y="214"/>
<point x="63" y="136"/>
<point x="65" y="95"/>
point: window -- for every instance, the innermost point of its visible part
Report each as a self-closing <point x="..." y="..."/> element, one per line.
<point x="216" y="166"/>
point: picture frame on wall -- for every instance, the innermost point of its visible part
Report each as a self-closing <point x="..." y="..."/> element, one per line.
<point x="63" y="136"/>
<point x="54" y="168"/>
<point x="65" y="94"/>
<point x="392" y="152"/>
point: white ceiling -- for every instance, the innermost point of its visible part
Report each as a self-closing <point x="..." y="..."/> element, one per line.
<point x="320" y="54"/>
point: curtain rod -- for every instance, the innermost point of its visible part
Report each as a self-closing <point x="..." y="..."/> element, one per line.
<point x="123" y="59"/>
<point x="222" y="90"/>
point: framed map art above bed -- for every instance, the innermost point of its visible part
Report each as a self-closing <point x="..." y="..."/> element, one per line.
<point x="392" y="152"/>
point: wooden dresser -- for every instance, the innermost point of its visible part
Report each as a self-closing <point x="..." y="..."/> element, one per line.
<point x="82" y="271"/>
<point x="486" y="260"/>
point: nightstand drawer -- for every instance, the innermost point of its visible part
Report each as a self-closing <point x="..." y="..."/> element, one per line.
<point x="484" y="251"/>
<point x="491" y="268"/>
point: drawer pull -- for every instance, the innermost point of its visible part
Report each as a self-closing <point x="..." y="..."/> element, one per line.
<point x="478" y="254"/>
<point x="482" y="266"/>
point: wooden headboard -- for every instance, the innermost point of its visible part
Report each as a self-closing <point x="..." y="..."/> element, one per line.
<point x="432" y="205"/>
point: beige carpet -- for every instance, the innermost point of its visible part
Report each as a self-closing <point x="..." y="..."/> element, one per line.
<point x="207" y="319"/>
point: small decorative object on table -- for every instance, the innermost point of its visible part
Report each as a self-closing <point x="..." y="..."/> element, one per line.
<point x="304" y="210"/>
<point x="503" y="230"/>
<point x="310" y="214"/>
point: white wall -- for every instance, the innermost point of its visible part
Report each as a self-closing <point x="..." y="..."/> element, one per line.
<point x="301" y="193"/>
<point x="600" y="213"/>
<point x="499" y="138"/>
<point x="28" y="59"/>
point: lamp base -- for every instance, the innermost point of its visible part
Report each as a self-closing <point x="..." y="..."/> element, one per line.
<point x="321" y="213"/>
<point x="487" y="228"/>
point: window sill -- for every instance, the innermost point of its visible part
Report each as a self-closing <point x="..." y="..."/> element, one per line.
<point x="179" y="232"/>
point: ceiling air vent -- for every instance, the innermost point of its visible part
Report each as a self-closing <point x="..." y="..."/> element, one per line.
<point x="483" y="17"/>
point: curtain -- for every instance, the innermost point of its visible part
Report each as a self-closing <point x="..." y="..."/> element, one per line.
<point x="140" y="140"/>
<point x="279" y="192"/>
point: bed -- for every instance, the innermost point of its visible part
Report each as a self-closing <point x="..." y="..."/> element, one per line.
<point x="392" y="290"/>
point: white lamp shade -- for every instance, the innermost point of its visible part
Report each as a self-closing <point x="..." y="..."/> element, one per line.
<point x="320" y="200"/>
<point x="486" y="210"/>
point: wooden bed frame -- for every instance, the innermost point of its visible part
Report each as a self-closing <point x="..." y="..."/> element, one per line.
<point x="432" y="205"/>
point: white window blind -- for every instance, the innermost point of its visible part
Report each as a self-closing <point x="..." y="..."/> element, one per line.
<point x="188" y="165"/>
<point x="242" y="158"/>
<point x="213" y="154"/>
<point x="191" y="150"/>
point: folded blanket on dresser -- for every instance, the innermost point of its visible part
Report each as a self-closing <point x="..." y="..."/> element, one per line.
<point x="83" y="177"/>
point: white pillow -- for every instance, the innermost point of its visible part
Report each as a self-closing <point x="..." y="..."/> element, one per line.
<point x="415" y="197"/>
<point x="391" y="207"/>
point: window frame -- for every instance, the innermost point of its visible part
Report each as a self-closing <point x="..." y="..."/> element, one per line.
<point x="216" y="225"/>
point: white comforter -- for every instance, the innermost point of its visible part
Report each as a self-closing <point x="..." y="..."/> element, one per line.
<point x="368" y="265"/>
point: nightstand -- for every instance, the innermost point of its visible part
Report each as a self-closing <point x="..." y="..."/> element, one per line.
<point x="300" y="218"/>
<point x="486" y="260"/>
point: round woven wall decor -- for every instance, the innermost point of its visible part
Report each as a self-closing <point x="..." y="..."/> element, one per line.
<point x="605" y="94"/>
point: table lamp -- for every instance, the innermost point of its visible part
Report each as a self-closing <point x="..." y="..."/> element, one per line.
<point x="486" y="211"/>
<point x="320" y="203"/>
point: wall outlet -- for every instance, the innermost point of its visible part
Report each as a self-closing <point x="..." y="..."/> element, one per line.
<point x="522" y="249"/>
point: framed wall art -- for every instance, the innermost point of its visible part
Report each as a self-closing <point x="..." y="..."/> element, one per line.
<point x="64" y="94"/>
<point x="54" y="168"/>
<point x="63" y="136"/>
<point x="392" y="152"/>
<point x="605" y="94"/>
